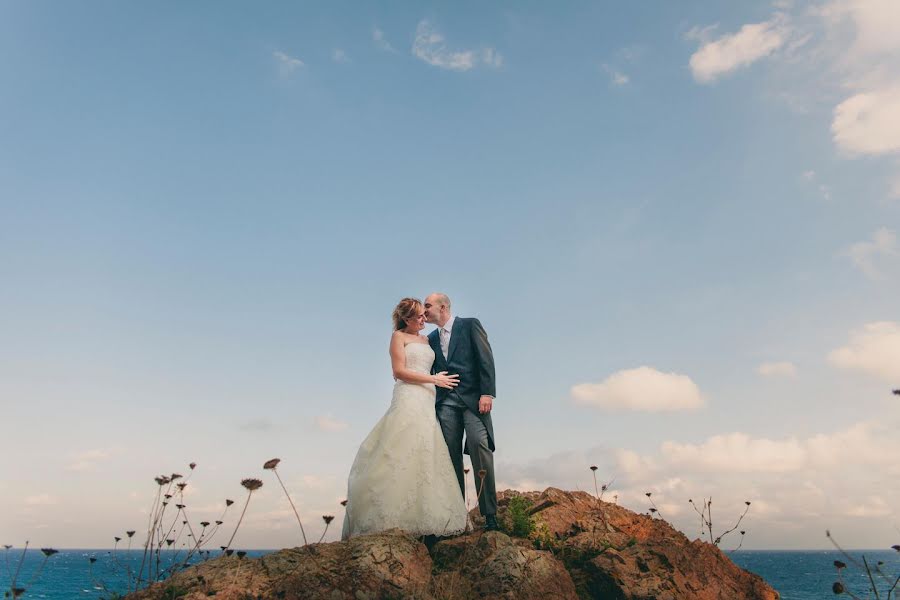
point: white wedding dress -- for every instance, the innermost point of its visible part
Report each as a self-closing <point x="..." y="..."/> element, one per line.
<point x="402" y="475"/>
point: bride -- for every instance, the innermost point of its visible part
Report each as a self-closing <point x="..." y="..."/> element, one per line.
<point x="402" y="475"/>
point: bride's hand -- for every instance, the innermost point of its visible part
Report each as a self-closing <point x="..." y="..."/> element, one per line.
<point x="446" y="381"/>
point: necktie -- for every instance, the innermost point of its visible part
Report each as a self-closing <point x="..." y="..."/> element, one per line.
<point x="445" y="341"/>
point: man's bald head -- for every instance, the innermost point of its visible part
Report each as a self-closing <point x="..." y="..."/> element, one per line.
<point x="437" y="308"/>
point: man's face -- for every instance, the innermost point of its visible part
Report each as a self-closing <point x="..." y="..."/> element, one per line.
<point x="435" y="313"/>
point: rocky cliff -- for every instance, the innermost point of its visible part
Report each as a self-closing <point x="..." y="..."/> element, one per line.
<point x="580" y="548"/>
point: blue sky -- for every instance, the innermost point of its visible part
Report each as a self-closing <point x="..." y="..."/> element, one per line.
<point x="686" y="211"/>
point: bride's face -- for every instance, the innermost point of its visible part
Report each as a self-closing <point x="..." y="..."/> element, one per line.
<point x="417" y="323"/>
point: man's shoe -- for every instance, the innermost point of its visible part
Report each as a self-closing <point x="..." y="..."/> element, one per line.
<point x="490" y="523"/>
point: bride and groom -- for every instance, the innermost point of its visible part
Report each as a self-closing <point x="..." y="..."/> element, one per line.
<point x="408" y="473"/>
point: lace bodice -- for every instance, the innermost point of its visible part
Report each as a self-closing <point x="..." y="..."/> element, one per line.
<point x="419" y="357"/>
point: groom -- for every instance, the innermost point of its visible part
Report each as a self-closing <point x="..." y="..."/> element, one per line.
<point x="461" y="347"/>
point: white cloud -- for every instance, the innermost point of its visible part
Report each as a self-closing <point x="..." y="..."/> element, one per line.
<point x="616" y="77"/>
<point x="329" y="424"/>
<point x="894" y="186"/>
<point x="798" y="485"/>
<point x="87" y="460"/>
<point x="641" y="389"/>
<point x="735" y="50"/>
<point x="876" y="23"/>
<point x="810" y="177"/>
<point x="41" y="500"/>
<point x="257" y="425"/>
<point x="770" y="369"/>
<point x="868" y="443"/>
<point x="865" y="254"/>
<point x="869" y="122"/>
<point x="339" y="56"/>
<point x="874" y="506"/>
<point x="380" y="41"/>
<point x="491" y="58"/>
<point x="874" y="349"/>
<point x="429" y="47"/>
<point x="287" y="63"/>
<point x="737" y="452"/>
<point x="868" y="61"/>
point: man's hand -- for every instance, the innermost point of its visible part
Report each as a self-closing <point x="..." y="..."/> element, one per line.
<point x="485" y="403"/>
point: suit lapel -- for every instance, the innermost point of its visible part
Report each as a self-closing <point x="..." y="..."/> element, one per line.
<point x="454" y="338"/>
<point x="434" y="339"/>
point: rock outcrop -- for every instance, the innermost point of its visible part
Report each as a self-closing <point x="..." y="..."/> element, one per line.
<point x="581" y="548"/>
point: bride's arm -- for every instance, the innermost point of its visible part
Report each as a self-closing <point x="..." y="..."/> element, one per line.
<point x="398" y="365"/>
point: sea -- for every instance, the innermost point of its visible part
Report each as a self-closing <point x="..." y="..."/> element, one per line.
<point x="70" y="574"/>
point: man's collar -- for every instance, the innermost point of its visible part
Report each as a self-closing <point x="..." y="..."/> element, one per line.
<point x="449" y="324"/>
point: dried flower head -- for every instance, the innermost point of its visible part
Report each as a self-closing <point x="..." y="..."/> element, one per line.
<point x="219" y="522"/>
<point x="181" y="486"/>
<point x="271" y="463"/>
<point x="228" y="502"/>
<point x="161" y="480"/>
<point x="896" y="547"/>
<point x="482" y="473"/>
<point x="169" y="542"/>
<point x="743" y="532"/>
<point x="229" y="552"/>
<point x="175" y="476"/>
<point x="837" y="587"/>
<point x="179" y="506"/>
<point x="593" y="467"/>
<point x="241" y="553"/>
<point x="6" y="546"/>
<point x="328" y="518"/>
<point x="51" y="551"/>
<point x="466" y="470"/>
<point x="653" y="510"/>
<point x="747" y="502"/>
<point x="648" y="494"/>
<point x="18" y="592"/>
<point x="129" y="533"/>
<point x="222" y="548"/>
<point x="343" y="503"/>
<point x="118" y="539"/>
<point x="167" y="496"/>
<point x="92" y="560"/>
<point x="251" y="483"/>
<point x="204" y="523"/>
<point x="193" y="465"/>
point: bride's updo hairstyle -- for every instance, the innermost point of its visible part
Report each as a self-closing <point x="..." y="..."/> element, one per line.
<point x="406" y="309"/>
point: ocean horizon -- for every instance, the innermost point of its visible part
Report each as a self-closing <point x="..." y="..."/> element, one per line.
<point x="69" y="575"/>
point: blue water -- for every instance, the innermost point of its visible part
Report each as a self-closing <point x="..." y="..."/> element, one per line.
<point x="803" y="575"/>
<point x="69" y="574"/>
<point x="808" y="575"/>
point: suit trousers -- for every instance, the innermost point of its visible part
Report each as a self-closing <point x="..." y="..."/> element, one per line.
<point x="456" y="420"/>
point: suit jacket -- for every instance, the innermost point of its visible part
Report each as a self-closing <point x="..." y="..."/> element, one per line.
<point x="470" y="357"/>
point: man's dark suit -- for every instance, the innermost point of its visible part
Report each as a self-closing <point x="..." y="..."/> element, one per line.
<point x="469" y="356"/>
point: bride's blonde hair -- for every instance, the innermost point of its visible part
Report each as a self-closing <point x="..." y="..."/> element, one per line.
<point x="406" y="309"/>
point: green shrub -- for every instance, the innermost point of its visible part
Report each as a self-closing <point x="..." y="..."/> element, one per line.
<point x="518" y="522"/>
